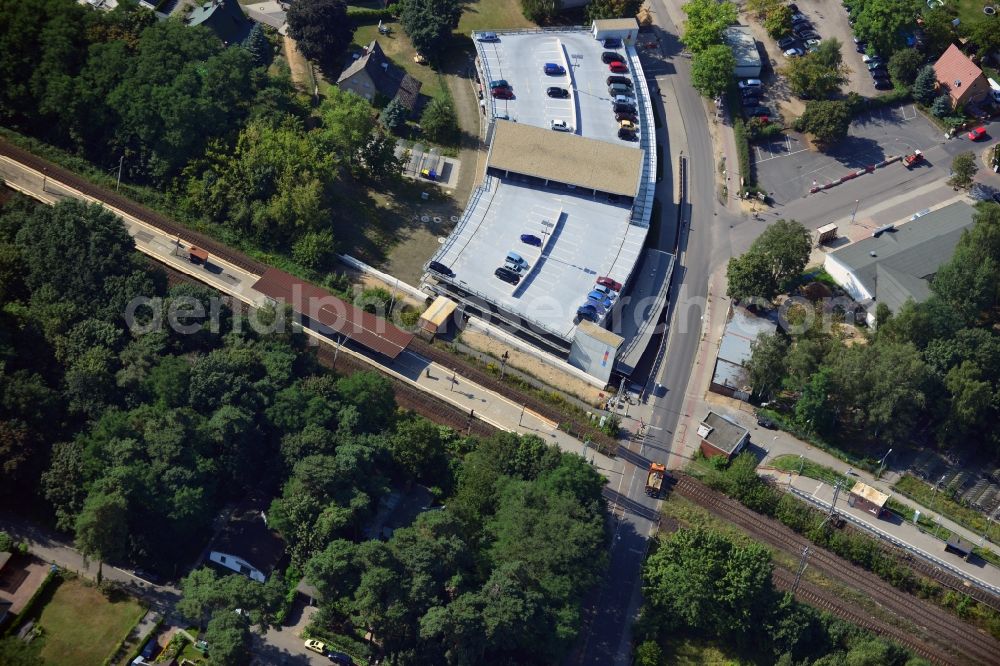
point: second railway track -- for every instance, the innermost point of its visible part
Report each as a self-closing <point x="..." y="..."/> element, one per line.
<point x="946" y="630"/>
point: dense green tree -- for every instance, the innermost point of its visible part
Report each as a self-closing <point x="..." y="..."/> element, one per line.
<point x="394" y="115"/>
<point x="925" y="85"/>
<point x="778" y="21"/>
<point x="609" y="9"/>
<point x="439" y="122"/>
<point x="371" y="393"/>
<point x="904" y="65"/>
<point x="228" y="637"/>
<point x="428" y="24"/>
<point x="941" y="106"/>
<point x="984" y="34"/>
<point x="258" y="46"/>
<point x="812" y="410"/>
<point x="315" y="249"/>
<point x="102" y="527"/>
<point x="827" y="120"/>
<point x="712" y="70"/>
<point x="378" y="160"/>
<point x="320" y="28"/>
<point x="786" y="244"/>
<point x="84" y="253"/>
<point x="749" y="278"/>
<point x="882" y="23"/>
<point x="706" y="19"/>
<point x="963" y="169"/>
<point x="704" y="581"/>
<point x="766" y="365"/>
<point x="540" y="11"/>
<point x="819" y="74"/>
<point x="15" y="652"/>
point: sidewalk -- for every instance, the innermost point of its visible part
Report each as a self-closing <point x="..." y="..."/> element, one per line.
<point x="904" y="531"/>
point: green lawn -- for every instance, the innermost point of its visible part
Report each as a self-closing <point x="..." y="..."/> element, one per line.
<point x="969" y="11"/>
<point x="696" y="652"/>
<point x="492" y="15"/>
<point x="399" y="49"/>
<point x="939" y="502"/>
<point x="81" y="627"/>
<point x="479" y="15"/>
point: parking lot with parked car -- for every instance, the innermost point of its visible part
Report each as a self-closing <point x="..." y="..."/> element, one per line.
<point x="787" y="167"/>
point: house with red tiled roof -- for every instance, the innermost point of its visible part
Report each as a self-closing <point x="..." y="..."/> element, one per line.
<point x="960" y="78"/>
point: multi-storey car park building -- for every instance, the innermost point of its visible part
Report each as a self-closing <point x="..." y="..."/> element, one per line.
<point x="586" y="192"/>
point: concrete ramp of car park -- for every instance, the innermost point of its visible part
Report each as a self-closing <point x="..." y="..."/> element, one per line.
<point x="549" y="233"/>
<point x="636" y="315"/>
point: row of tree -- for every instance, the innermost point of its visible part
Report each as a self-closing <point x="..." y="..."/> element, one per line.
<point x="929" y="373"/>
<point x="702" y="583"/>
<point x="134" y="434"/>
<point x="232" y="144"/>
<point x="713" y="63"/>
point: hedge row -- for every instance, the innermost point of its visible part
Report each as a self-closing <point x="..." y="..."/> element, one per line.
<point x="743" y="151"/>
<point x="366" y="16"/>
<point x="28" y="607"/>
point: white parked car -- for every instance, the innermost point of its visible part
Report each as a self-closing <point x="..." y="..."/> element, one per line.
<point x="811" y="43"/>
<point x="794" y="52"/>
<point x="561" y="126"/>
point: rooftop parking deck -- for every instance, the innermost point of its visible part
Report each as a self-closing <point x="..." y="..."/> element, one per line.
<point x="519" y="59"/>
<point x="583" y="238"/>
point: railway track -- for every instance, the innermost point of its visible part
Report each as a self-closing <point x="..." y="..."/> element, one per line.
<point x="815" y="596"/>
<point x="949" y="632"/>
<point x="126" y="205"/>
<point x="407" y="397"/>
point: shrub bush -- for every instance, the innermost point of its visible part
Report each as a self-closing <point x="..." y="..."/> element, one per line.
<point x="366" y="16"/>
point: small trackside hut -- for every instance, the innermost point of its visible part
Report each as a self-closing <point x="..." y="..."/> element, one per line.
<point x="868" y="499"/>
<point x="721" y="436"/>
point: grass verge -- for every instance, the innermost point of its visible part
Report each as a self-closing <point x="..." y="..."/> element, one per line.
<point x="924" y="494"/>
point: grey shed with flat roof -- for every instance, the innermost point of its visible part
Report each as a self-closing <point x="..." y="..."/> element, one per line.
<point x="744" y="47"/>
<point x="899" y="264"/>
<point x="721" y="436"/>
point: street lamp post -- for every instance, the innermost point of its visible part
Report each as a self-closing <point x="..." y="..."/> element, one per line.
<point x="121" y="163"/>
<point x="936" y="490"/>
<point x="986" y="530"/>
<point x="856" y="203"/>
<point x="881" y="464"/>
<point x="503" y="363"/>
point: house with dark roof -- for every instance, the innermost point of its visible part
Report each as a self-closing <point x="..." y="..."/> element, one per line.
<point x="898" y="263"/>
<point x="961" y="78"/>
<point x="374" y="74"/>
<point x="223" y="17"/>
<point x="247" y="545"/>
<point x="721" y="436"/>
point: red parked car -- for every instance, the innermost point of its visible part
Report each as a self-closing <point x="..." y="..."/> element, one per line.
<point x="618" y="68"/>
<point x="977" y="134"/>
<point x="609" y="283"/>
<point x="503" y="93"/>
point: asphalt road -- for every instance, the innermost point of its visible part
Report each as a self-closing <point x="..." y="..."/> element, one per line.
<point x="703" y="244"/>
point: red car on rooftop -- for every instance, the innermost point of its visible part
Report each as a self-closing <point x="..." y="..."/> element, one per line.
<point x="609" y="283"/>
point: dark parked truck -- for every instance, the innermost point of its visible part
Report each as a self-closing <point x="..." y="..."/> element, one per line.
<point x="654" y="480"/>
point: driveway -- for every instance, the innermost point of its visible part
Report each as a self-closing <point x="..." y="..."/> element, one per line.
<point x="285" y="645"/>
<point x="788" y="166"/>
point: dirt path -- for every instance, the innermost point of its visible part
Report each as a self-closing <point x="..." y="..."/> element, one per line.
<point x="467" y="109"/>
<point x="301" y="74"/>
